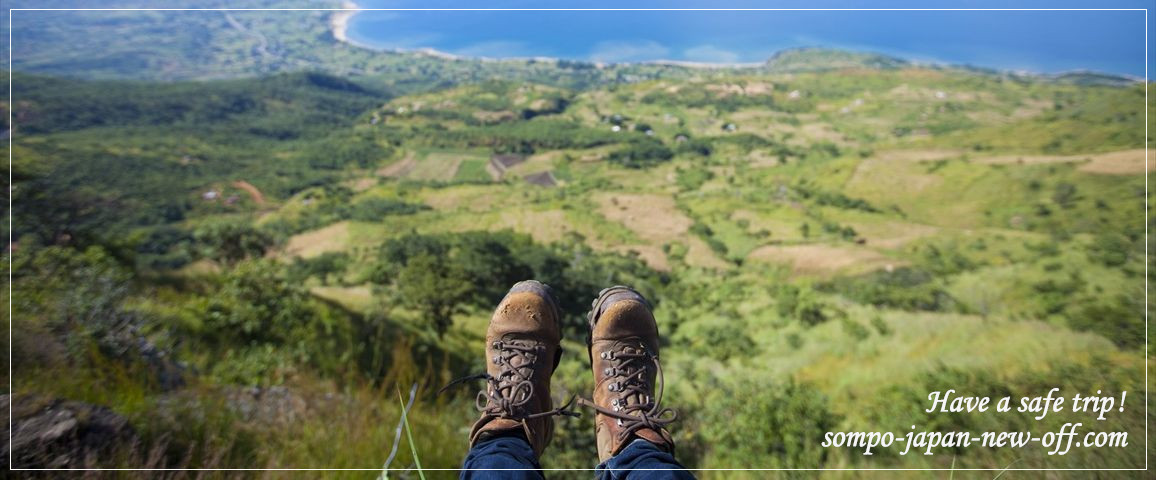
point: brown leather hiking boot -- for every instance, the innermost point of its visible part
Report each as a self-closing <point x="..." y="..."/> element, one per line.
<point x="522" y="351"/>
<point x="624" y="353"/>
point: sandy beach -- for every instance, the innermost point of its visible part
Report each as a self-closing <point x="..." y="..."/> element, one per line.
<point x="339" y="22"/>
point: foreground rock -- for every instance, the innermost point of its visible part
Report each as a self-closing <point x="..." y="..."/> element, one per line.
<point x="56" y="433"/>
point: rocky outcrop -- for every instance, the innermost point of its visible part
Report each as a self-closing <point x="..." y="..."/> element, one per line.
<point x="55" y="433"/>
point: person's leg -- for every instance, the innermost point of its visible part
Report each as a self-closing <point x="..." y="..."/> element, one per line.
<point x="498" y="456"/>
<point x="630" y="424"/>
<point x="523" y="346"/>
<point x="642" y="460"/>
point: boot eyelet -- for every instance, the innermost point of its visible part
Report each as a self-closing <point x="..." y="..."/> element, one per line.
<point x="609" y="372"/>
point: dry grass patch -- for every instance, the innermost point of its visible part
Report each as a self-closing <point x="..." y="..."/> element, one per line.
<point x="399" y="168"/>
<point x="892" y="234"/>
<point x="1127" y="162"/>
<point x="699" y="254"/>
<point x="654" y="218"/>
<point x="361" y="184"/>
<point x="1124" y="162"/>
<point x="333" y="238"/>
<point x="474" y="198"/>
<point x="358" y="299"/>
<point x="534" y="163"/>
<point x="879" y="174"/>
<point x="822" y="132"/>
<point x="653" y="256"/>
<point x="816" y="259"/>
<point x="916" y="155"/>
<point x="437" y="166"/>
<point x="545" y="226"/>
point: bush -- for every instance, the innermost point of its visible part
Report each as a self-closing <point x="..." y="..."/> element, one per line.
<point x="254" y="306"/>
<point x="229" y="241"/>
<point x="321" y="266"/>
<point x="905" y="288"/>
<point x="696" y="146"/>
<point x="802" y="304"/>
<point x="757" y="423"/>
<point x="722" y="339"/>
<point x="642" y="153"/>
<point x="374" y="209"/>
<point x="693" y="178"/>
<point x="1110" y="250"/>
<point x="1119" y="318"/>
<point x="488" y="263"/>
<point x="435" y="287"/>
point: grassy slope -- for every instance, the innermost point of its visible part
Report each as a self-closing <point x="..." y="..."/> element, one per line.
<point x="942" y="196"/>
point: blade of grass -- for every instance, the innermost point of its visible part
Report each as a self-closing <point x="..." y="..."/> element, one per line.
<point x="409" y="435"/>
<point x="397" y="434"/>
<point x="1001" y="472"/>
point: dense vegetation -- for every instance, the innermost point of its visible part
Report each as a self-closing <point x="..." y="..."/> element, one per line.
<point x="252" y="270"/>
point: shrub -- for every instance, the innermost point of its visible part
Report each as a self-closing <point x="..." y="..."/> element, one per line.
<point x="802" y="304"/>
<point x="373" y="209"/>
<point x="1119" y="318"/>
<point x="906" y="288"/>
<point x="693" y="178"/>
<point x="723" y="339"/>
<point x="642" y="153"/>
<point x="759" y="423"/>
<point x="434" y="287"/>
<point x="1110" y="250"/>
<point x="230" y="240"/>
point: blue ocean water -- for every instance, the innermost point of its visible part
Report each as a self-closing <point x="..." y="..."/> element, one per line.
<point x="1037" y="41"/>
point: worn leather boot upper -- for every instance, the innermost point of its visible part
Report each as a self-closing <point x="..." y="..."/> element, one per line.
<point x="522" y="351"/>
<point x="624" y="354"/>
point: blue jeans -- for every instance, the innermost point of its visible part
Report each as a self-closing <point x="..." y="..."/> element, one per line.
<point x="512" y="452"/>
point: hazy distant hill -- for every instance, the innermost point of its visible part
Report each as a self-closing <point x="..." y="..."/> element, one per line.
<point x="184" y="45"/>
<point x="820" y="59"/>
<point x="198" y="45"/>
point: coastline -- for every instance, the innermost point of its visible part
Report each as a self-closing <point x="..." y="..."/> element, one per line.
<point x="339" y="27"/>
<point x="339" y="22"/>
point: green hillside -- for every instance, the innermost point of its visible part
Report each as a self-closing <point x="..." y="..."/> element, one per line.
<point x="248" y="238"/>
<point x="832" y="244"/>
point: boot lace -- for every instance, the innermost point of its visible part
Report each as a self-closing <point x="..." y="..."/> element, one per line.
<point x="509" y="392"/>
<point x="627" y="373"/>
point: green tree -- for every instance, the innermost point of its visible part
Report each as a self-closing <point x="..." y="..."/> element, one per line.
<point x="434" y="287"/>
<point x="230" y="241"/>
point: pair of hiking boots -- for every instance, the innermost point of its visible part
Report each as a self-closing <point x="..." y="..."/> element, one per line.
<point x="522" y="351"/>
